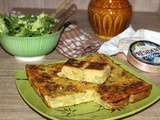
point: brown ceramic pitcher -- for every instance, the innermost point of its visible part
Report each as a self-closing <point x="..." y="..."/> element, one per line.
<point x="109" y="17"/>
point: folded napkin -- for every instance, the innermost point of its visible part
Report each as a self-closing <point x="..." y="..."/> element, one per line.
<point x="75" y="42"/>
<point x="121" y="42"/>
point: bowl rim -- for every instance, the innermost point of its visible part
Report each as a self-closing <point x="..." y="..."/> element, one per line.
<point x="9" y="36"/>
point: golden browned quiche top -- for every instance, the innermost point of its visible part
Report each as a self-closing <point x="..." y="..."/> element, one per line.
<point x="119" y="86"/>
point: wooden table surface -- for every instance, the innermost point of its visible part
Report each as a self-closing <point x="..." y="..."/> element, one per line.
<point x="12" y="107"/>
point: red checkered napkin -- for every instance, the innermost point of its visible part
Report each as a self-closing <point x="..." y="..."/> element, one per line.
<point x="74" y="42"/>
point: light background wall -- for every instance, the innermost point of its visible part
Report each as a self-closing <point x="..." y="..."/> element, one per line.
<point x="138" y="5"/>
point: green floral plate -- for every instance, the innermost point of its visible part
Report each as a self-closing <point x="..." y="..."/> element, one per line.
<point x="85" y="111"/>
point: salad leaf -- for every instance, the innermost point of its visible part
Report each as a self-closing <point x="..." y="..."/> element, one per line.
<point x="27" y="25"/>
<point x="42" y="24"/>
<point x="3" y="28"/>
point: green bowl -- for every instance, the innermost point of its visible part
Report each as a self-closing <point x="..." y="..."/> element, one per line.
<point x="30" y="46"/>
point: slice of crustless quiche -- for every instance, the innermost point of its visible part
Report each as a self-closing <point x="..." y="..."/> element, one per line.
<point x="121" y="87"/>
<point x="93" y="72"/>
<point x="118" y="90"/>
<point x="57" y="91"/>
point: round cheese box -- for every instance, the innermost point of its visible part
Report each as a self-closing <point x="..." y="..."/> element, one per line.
<point x="145" y="55"/>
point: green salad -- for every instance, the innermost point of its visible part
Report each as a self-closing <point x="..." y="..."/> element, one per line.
<point x="26" y="25"/>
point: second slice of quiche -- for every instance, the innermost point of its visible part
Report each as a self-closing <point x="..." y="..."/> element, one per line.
<point x="93" y="72"/>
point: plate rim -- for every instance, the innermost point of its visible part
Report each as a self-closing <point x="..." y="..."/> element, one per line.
<point x="112" y="118"/>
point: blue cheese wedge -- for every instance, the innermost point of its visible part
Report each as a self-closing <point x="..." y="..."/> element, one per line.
<point x="93" y="72"/>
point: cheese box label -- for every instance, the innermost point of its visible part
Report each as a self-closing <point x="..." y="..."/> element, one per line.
<point x="146" y="51"/>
